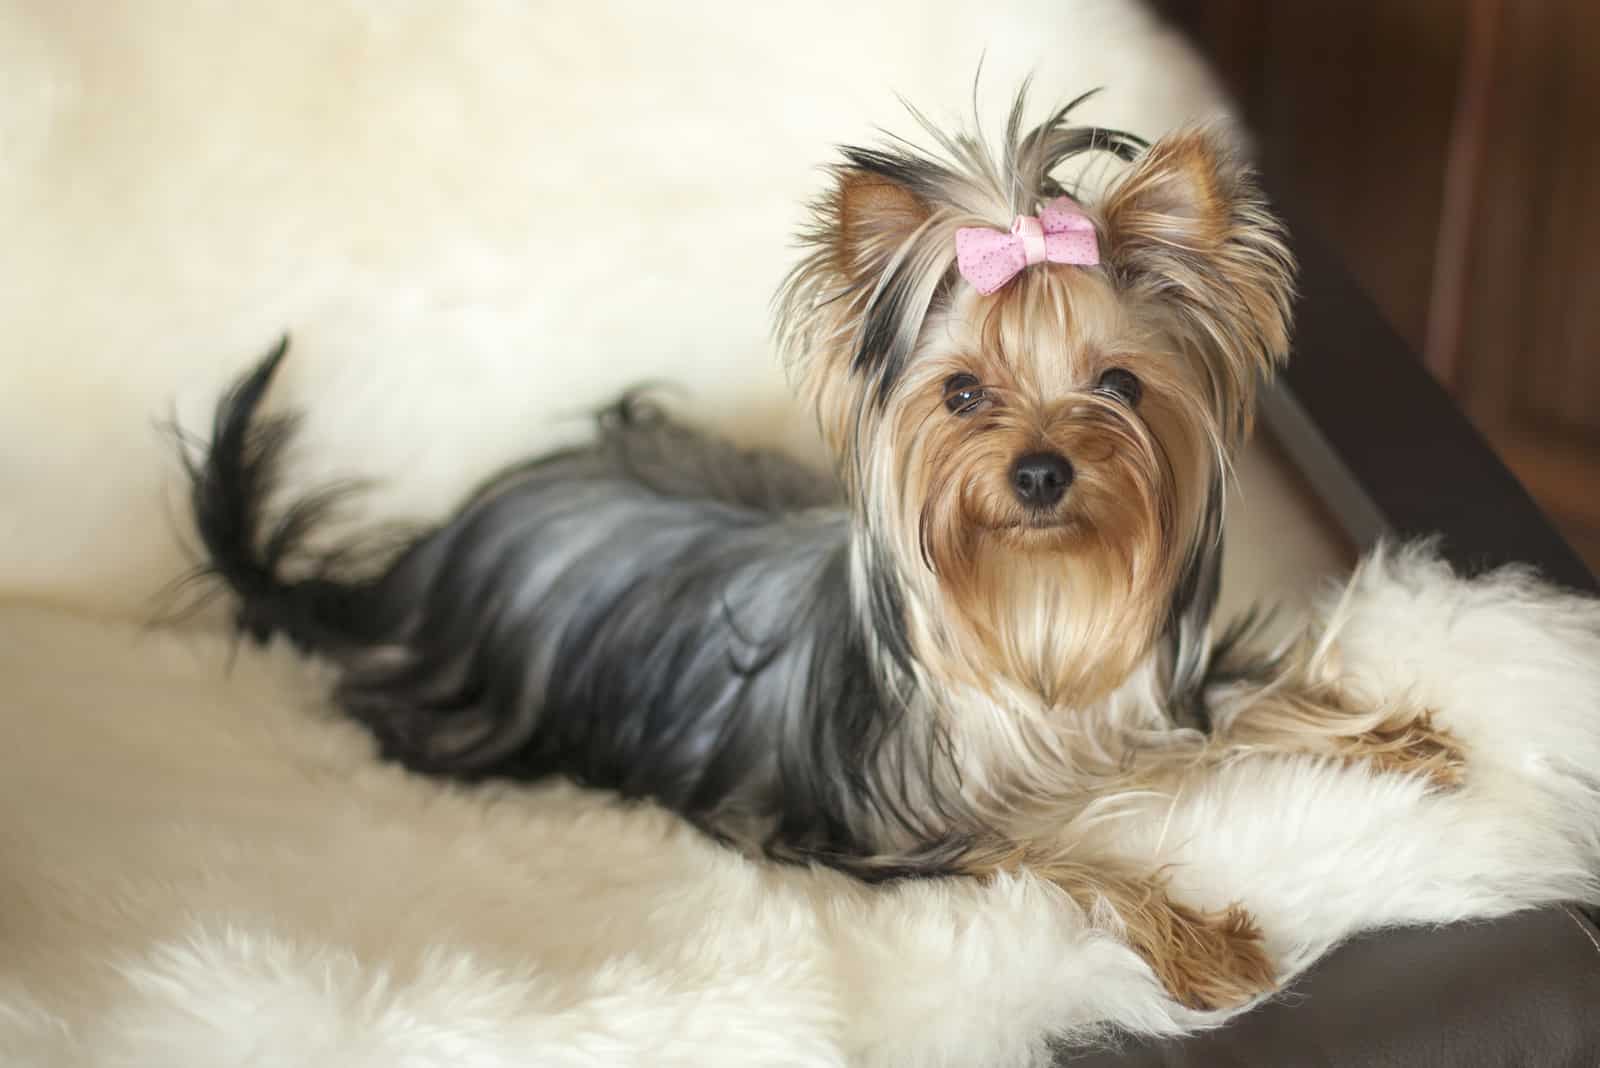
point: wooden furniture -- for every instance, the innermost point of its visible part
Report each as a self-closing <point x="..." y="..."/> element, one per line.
<point x="1451" y="154"/>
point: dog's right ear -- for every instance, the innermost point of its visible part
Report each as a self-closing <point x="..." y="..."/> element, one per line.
<point x="874" y="215"/>
<point x="1189" y="226"/>
<point x="850" y="313"/>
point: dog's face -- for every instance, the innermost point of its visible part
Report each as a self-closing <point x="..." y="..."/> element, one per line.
<point x="1051" y="454"/>
<point x="1042" y="466"/>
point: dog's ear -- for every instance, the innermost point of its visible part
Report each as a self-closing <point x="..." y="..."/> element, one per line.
<point x="874" y="215"/>
<point x="870" y="271"/>
<point x="1188" y="225"/>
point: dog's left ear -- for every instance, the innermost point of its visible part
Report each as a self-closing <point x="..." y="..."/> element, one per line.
<point x="1189" y="226"/>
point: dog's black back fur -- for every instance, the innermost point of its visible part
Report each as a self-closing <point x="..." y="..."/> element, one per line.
<point x="658" y="613"/>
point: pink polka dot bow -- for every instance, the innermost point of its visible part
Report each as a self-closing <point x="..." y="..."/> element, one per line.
<point x="1061" y="233"/>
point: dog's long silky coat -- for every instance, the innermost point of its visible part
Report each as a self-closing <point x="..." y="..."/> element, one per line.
<point x="952" y="655"/>
<point x="659" y="613"/>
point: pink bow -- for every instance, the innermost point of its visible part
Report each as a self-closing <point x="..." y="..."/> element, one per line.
<point x="1061" y="233"/>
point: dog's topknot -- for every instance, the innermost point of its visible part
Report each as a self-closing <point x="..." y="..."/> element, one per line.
<point x="881" y="240"/>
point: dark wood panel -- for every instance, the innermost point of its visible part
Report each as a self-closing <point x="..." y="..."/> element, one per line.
<point x="1552" y="151"/>
<point x="1527" y="365"/>
<point x="1420" y="466"/>
<point x="1450" y="151"/>
<point x="1351" y="104"/>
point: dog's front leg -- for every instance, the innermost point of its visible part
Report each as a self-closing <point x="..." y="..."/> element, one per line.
<point x="1205" y="960"/>
<point x="1299" y="713"/>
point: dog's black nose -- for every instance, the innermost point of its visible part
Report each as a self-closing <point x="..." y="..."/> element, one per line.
<point x="1040" y="479"/>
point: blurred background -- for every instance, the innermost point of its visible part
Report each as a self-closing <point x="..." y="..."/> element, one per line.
<point x="1450" y="151"/>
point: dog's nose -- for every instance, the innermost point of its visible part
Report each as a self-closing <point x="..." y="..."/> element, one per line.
<point x="1040" y="479"/>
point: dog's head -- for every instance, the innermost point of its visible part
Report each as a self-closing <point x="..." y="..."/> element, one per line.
<point x="1037" y="457"/>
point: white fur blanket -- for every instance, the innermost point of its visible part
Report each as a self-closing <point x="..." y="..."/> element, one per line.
<point x="199" y="866"/>
<point x="478" y="218"/>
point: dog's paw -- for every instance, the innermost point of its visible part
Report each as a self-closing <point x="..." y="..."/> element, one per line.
<point x="1205" y="960"/>
<point x="1415" y="747"/>
<point x="1327" y="720"/>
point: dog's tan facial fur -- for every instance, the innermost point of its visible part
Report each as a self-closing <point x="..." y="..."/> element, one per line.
<point x="1061" y="601"/>
<point x="1191" y="298"/>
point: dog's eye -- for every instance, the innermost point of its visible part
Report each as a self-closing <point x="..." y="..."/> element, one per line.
<point x="1124" y="385"/>
<point x="963" y="394"/>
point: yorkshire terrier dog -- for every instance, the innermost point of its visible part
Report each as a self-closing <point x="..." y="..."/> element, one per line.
<point x="952" y="655"/>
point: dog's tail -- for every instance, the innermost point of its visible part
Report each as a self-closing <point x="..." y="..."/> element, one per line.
<point x="231" y="486"/>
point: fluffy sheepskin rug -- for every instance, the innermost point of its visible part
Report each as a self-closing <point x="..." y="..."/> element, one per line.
<point x="202" y="866"/>
<point x="478" y="220"/>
